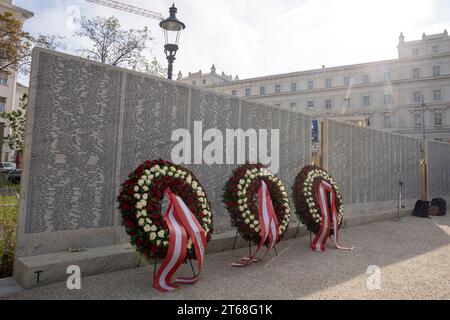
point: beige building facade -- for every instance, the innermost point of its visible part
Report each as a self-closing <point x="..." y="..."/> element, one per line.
<point x="10" y="90"/>
<point x="408" y="95"/>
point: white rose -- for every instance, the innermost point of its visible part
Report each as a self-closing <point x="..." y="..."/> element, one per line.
<point x="152" y="236"/>
<point x="241" y="208"/>
<point x="148" y="221"/>
<point x="170" y="174"/>
<point x="282" y="188"/>
<point x="242" y="181"/>
<point x="252" y="217"/>
<point x="139" y="206"/>
<point x="165" y="243"/>
<point x="145" y="196"/>
<point x="173" y="169"/>
<point x="158" y="242"/>
<point x="252" y="176"/>
<point x="161" y="234"/>
<point x="152" y="169"/>
<point x="145" y="188"/>
<point x="147" y="228"/>
<point x="156" y="174"/>
<point x="256" y="222"/>
<point x="144" y="213"/>
<point x="176" y="175"/>
<point x="247" y="221"/>
<point x="257" y="229"/>
<point x="189" y="179"/>
<point x="189" y="244"/>
<point x="136" y="189"/>
<point x="153" y="228"/>
<point x="252" y="226"/>
<point x="141" y="183"/>
<point x="240" y="201"/>
<point x="147" y="172"/>
<point x="137" y="195"/>
<point x="239" y="187"/>
<point x="194" y="184"/>
<point x="141" y="222"/>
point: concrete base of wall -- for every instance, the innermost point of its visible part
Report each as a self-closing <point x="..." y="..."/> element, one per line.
<point x="52" y="267"/>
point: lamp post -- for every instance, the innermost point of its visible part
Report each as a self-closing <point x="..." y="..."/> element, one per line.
<point x="172" y="28"/>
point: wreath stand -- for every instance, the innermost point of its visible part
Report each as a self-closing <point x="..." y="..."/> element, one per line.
<point x="250" y="245"/>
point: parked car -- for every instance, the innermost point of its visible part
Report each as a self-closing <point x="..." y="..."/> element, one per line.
<point x="7" y="166"/>
<point x="13" y="176"/>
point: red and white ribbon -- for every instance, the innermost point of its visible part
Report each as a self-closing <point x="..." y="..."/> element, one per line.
<point x="268" y="223"/>
<point x="320" y="241"/>
<point x="181" y="223"/>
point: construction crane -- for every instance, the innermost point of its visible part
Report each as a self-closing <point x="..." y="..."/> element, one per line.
<point x="129" y="8"/>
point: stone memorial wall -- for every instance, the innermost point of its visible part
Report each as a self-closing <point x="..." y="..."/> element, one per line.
<point x="89" y="125"/>
<point x="438" y="169"/>
<point x="368" y="164"/>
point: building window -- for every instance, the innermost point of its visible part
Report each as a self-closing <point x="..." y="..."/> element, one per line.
<point x="438" y="119"/>
<point x="234" y="93"/>
<point x="387" y="121"/>
<point x="366" y="101"/>
<point x="293" y="87"/>
<point x="2" y="104"/>
<point x="293" y="105"/>
<point x="347" y="102"/>
<point x="328" y="83"/>
<point x="278" y="88"/>
<point x="435" y="49"/>
<point x="387" y="76"/>
<point x="346" y="81"/>
<point x="3" y="81"/>
<point x="204" y="81"/>
<point x="366" y="79"/>
<point x="416" y="73"/>
<point x="415" y="52"/>
<point x="436" y="71"/>
<point x="437" y="95"/>
<point x="247" y="92"/>
<point x="387" y="99"/>
<point x="328" y="104"/>
<point x="262" y="91"/>
<point x="310" y="85"/>
<point x="417" y="120"/>
<point x="310" y="105"/>
<point x="278" y="105"/>
<point x="417" y="96"/>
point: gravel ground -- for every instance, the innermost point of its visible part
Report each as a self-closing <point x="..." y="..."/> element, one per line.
<point x="413" y="257"/>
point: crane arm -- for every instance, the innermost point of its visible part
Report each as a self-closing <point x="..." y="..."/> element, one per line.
<point x="128" y="8"/>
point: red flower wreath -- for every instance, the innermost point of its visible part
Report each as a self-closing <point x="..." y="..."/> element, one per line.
<point x="240" y="199"/>
<point x="140" y="205"/>
<point x="305" y="195"/>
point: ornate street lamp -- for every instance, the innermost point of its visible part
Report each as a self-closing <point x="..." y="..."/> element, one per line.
<point x="172" y="28"/>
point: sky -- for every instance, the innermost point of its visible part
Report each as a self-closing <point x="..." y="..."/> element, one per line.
<point x="255" y="38"/>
